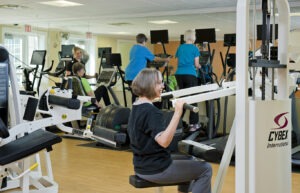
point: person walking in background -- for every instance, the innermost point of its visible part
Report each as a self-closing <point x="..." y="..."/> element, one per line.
<point x="187" y="56"/>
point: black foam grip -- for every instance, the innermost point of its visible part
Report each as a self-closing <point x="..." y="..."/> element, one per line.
<point x="65" y="102"/>
<point x="3" y="130"/>
<point x="30" y="110"/>
<point x="168" y="96"/>
<point x="63" y="84"/>
<point x="4" y="55"/>
<point x="4" y="183"/>
<point x="191" y="108"/>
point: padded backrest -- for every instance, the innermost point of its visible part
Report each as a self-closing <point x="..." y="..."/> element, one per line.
<point x="4" y="78"/>
<point x="77" y="86"/>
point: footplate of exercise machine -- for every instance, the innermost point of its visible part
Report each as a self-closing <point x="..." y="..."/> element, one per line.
<point x="109" y="137"/>
<point x="210" y="150"/>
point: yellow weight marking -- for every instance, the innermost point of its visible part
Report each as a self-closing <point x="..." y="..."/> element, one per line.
<point x="64" y="116"/>
<point x="33" y="166"/>
<point x="52" y="91"/>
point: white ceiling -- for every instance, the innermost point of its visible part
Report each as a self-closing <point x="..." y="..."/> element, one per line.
<point x="97" y="15"/>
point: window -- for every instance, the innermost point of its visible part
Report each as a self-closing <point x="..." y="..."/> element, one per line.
<point x="20" y="46"/>
<point x="14" y="45"/>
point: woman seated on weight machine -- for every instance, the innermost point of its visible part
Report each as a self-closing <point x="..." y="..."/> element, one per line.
<point x="101" y="92"/>
<point x="150" y="140"/>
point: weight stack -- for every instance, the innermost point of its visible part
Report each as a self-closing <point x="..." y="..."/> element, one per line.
<point x="113" y="117"/>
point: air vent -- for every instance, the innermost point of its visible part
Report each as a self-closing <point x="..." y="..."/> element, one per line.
<point x="12" y="6"/>
<point x="120" y="24"/>
<point x="8" y="36"/>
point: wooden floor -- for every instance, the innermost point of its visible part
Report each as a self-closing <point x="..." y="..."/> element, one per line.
<point x="81" y="169"/>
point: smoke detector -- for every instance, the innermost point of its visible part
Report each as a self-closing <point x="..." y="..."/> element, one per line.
<point x="120" y="24"/>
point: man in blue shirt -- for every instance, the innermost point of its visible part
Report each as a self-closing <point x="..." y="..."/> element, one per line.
<point x="139" y="55"/>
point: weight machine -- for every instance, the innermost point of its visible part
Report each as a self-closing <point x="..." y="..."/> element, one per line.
<point x="260" y="118"/>
<point x="20" y="144"/>
<point x="22" y="137"/>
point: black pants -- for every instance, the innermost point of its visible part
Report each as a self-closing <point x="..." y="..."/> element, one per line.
<point x="101" y="92"/>
<point x="187" y="81"/>
<point x="133" y="96"/>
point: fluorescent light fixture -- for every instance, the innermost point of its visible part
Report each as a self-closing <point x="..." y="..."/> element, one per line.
<point x="61" y="3"/>
<point x="121" y="33"/>
<point x="161" y="22"/>
<point x="297" y="14"/>
<point x="217" y="29"/>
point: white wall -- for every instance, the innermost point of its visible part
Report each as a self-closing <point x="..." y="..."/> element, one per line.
<point x="294" y="45"/>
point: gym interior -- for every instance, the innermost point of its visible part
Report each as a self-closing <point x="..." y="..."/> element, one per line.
<point x="226" y="104"/>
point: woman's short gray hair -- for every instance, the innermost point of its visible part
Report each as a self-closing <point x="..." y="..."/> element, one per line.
<point x="145" y="82"/>
<point x="190" y="35"/>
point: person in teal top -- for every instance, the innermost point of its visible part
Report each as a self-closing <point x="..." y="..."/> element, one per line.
<point x="101" y="92"/>
<point x="187" y="66"/>
<point x="138" y="57"/>
<point x="187" y="54"/>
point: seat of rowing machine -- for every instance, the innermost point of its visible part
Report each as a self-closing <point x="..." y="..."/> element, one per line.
<point x="27" y="145"/>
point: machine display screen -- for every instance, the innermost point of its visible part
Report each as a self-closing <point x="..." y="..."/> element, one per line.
<point x="229" y="39"/>
<point x="161" y="36"/>
<point x="38" y="57"/>
<point x="67" y="51"/>
<point x="205" y="35"/>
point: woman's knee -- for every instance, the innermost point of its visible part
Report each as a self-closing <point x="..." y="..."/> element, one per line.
<point x="207" y="170"/>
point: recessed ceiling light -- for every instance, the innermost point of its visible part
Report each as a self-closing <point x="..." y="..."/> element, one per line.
<point x="161" y="22"/>
<point x="121" y="33"/>
<point x="217" y="29"/>
<point x="61" y="3"/>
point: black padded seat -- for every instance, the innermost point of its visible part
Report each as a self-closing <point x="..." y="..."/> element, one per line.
<point x="27" y="145"/>
<point x="138" y="182"/>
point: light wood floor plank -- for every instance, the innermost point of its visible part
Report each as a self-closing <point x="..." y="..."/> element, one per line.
<point x="80" y="169"/>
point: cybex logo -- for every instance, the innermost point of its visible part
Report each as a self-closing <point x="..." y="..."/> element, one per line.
<point x="281" y="121"/>
<point x="279" y="133"/>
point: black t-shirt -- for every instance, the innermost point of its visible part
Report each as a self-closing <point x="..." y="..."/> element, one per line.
<point x="69" y="66"/>
<point x="145" y="122"/>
